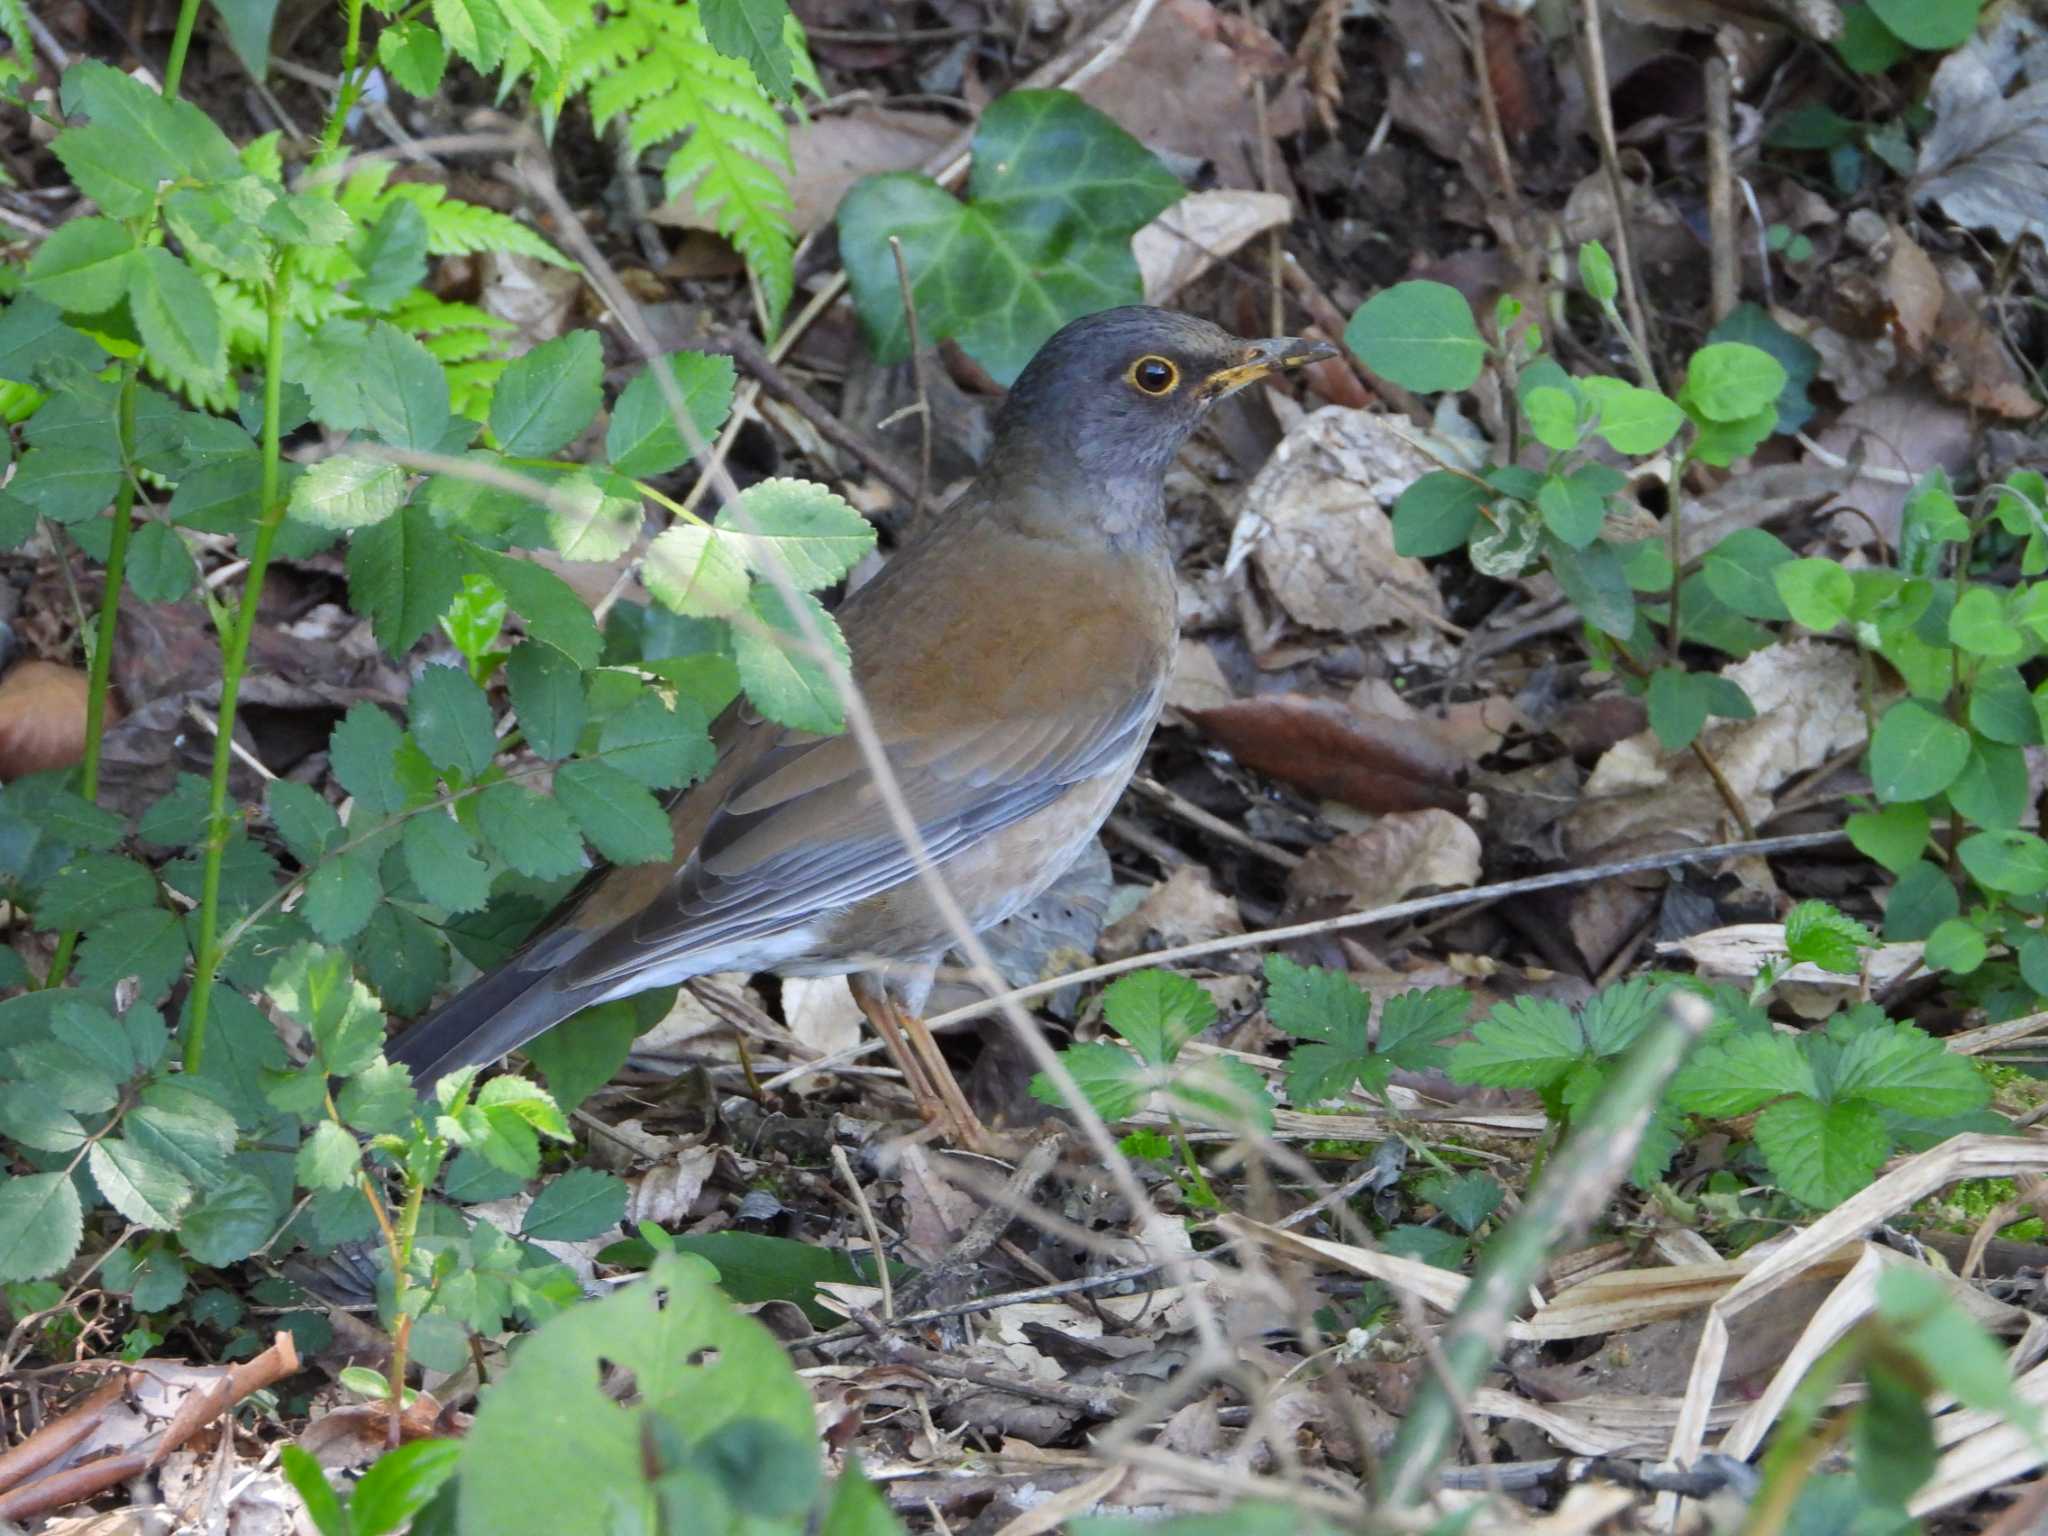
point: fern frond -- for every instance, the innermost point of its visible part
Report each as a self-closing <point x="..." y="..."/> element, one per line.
<point x="463" y="229"/>
<point x="650" y="63"/>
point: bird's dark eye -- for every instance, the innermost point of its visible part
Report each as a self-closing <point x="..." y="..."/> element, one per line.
<point x="1153" y="375"/>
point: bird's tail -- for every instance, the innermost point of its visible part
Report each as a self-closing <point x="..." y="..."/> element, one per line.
<point x="491" y="1017"/>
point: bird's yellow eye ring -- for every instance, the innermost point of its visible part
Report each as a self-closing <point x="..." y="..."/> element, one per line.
<point x="1153" y="375"/>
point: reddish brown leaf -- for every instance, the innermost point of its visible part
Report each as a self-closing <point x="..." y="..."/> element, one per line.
<point x="1375" y="762"/>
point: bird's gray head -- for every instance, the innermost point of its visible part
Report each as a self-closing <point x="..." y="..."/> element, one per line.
<point x="1112" y="397"/>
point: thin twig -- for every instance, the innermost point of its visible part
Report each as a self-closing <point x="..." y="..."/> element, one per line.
<point x="1617" y="185"/>
<point x="867" y="1221"/>
<point x="917" y="373"/>
<point x="1721" y="187"/>
<point x="751" y="356"/>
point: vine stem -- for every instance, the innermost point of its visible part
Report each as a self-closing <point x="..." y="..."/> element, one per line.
<point x="181" y="41"/>
<point x="351" y="84"/>
<point x="234" y="660"/>
<point x="99" y="672"/>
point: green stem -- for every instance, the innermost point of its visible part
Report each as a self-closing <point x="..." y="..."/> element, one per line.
<point x="234" y="659"/>
<point x="1203" y="1193"/>
<point x="351" y="84"/>
<point x="181" y="40"/>
<point x="98" y="675"/>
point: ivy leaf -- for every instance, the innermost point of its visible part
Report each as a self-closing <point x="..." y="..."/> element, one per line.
<point x="1056" y="191"/>
<point x="41" y="1223"/>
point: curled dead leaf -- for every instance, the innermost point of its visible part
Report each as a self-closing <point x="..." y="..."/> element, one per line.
<point x="1371" y="760"/>
<point x="1395" y="857"/>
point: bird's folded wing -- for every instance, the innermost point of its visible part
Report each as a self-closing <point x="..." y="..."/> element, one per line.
<point x="806" y="831"/>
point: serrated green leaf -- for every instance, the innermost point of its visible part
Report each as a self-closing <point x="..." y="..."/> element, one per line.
<point x="549" y="605"/>
<point x="84" y="266"/>
<point x="306" y="822"/>
<point x="451" y="720"/>
<point x="341" y="894"/>
<point x="138" y="1184"/>
<point x="1741" y="1073"/>
<point x="414" y="56"/>
<point x="756" y="31"/>
<point x="696" y="571"/>
<point x="347" y="491"/>
<point x="92" y="887"/>
<point x="643" y="438"/>
<point x="403" y="572"/>
<point x="104" y="166"/>
<point x="1821" y="1154"/>
<point x="1817" y="934"/>
<point x="814" y="535"/>
<point x="586" y="522"/>
<point x="184" y="1129"/>
<point x="787" y="683"/>
<point x="1527" y="1042"/>
<point x="1157" y="1012"/>
<point x="30" y="1118"/>
<point x="531" y="832"/>
<point x="363" y="750"/>
<point x="441" y="857"/>
<point x="231" y="1222"/>
<point x="655" y="745"/>
<point x="178" y="320"/>
<point x="315" y="986"/>
<point x="41" y="1223"/>
<point x="622" y="820"/>
<point x="327" y="1159"/>
<point x="1112" y="1080"/>
<point x="65" y="485"/>
<point x="160" y="568"/>
<point x="547" y="697"/>
<point x="546" y="398"/>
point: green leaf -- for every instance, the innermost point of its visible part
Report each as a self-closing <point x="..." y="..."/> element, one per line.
<point x="341" y="895"/>
<point x="363" y="750"/>
<point x="170" y="134"/>
<point x="1866" y="44"/>
<point x="1978" y="626"/>
<point x="2008" y="860"/>
<point x="31" y="1118"/>
<point x="184" y="1129"/>
<point x="1992" y="791"/>
<point x="583" y="1203"/>
<point x="400" y="1483"/>
<point x="1922" y="898"/>
<point x="404" y="389"/>
<point x="1631" y="420"/>
<point x="451" y="720"/>
<point x="178" y="320"/>
<point x="696" y="571"/>
<point x="753" y="30"/>
<point x="655" y="745"/>
<point x="1895" y="837"/>
<point x="65" y="485"/>
<point x="84" y="267"/>
<point x="327" y="1159"/>
<point x="549" y="605"/>
<point x="1437" y="514"/>
<point x="1553" y="418"/>
<point x="315" y="986"/>
<point x="1739" y="570"/>
<point x="1817" y="934"/>
<point x="1933" y="26"/>
<point x="1468" y="1199"/>
<point x="1158" y="1012"/>
<point x="1056" y="191"/>
<point x="585" y="1051"/>
<point x="160" y="567"/>
<point x="1900" y="1068"/>
<point x="103" y="166"/>
<point x="1678" y="706"/>
<point x="91" y="887"/>
<point x="1112" y="1080"/>
<point x="1916" y="752"/>
<point x="784" y="681"/>
<point x="403" y="572"/>
<point x="1817" y="593"/>
<point x="138" y="1184"/>
<point x="547" y="696"/>
<point x="1421" y="335"/>
<point x="1740" y="1073"/>
<point x="2001" y="708"/>
<point x="1527" y="1042"/>
<point x="643" y="439"/>
<point x="531" y="832"/>
<point x="1955" y="1349"/>
<point x="414" y="56"/>
<point x="1597" y="585"/>
<point x="441" y="857"/>
<point x="544" y="400"/>
<point x="379" y="1098"/>
<point x="1752" y="323"/>
<point x="306" y="822"/>
<point x="815" y="536"/>
<point x="585" y="522"/>
<point x="1721" y="443"/>
<point x="347" y="491"/>
<point x="1221" y="1091"/>
<point x="1731" y="381"/>
<point x="1572" y="509"/>
<point x="1821" y="1154"/>
<point x="231" y="1222"/>
<point x="623" y="821"/>
<point x="1596" y="275"/>
<point x="40" y="1225"/>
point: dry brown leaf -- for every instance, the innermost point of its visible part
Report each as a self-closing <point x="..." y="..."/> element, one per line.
<point x="1985" y="161"/>
<point x="1904" y="430"/>
<point x="1316" y="520"/>
<point x="1375" y="761"/>
<point x="1397" y="856"/>
<point x="665" y="1193"/>
<point x="1181" y="909"/>
<point x="1200" y="230"/>
<point x="833" y="152"/>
